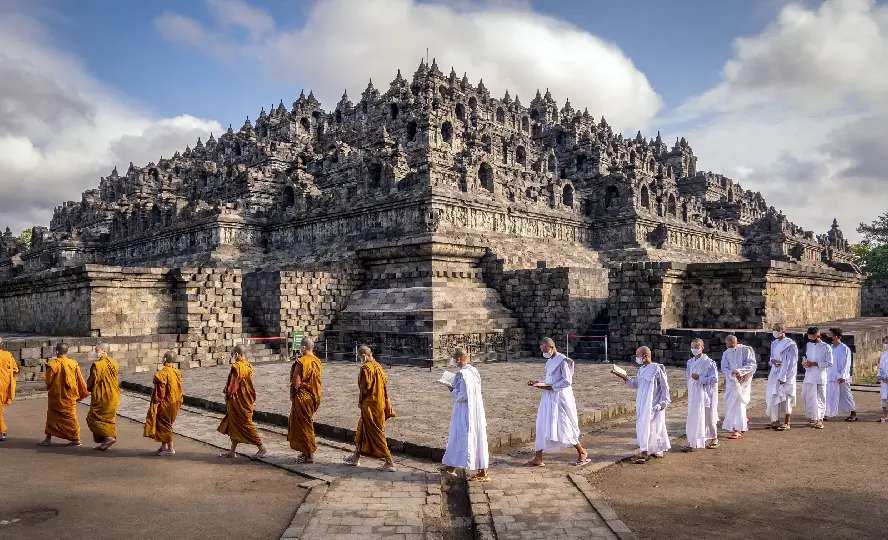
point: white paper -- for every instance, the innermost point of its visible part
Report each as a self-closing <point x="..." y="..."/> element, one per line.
<point x="447" y="378"/>
<point x="618" y="370"/>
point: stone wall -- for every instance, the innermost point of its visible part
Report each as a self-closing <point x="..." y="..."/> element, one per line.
<point x="55" y="303"/>
<point x="874" y="297"/>
<point x="648" y="298"/>
<point x="551" y="302"/>
<point x="278" y="302"/>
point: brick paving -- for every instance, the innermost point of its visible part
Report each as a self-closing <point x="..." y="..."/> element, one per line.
<point x="423" y="407"/>
<point x="360" y="502"/>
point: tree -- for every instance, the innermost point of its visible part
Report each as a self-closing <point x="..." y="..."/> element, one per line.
<point x="873" y="260"/>
<point x="875" y="232"/>
<point x="25" y="239"/>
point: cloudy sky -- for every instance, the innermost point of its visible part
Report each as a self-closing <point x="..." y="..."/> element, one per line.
<point x="788" y="97"/>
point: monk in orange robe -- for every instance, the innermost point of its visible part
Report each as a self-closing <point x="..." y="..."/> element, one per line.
<point x="65" y="386"/>
<point x="166" y="400"/>
<point x="8" y="369"/>
<point x="305" y="395"/>
<point x="240" y="397"/>
<point x="103" y="386"/>
<point x="375" y="409"/>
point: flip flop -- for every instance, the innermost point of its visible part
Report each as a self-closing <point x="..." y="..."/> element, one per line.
<point x="658" y="455"/>
<point x="851" y="419"/>
<point x="479" y="478"/>
<point x="386" y="468"/>
<point x="713" y="446"/>
<point x="638" y="460"/>
<point x="688" y="449"/>
<point x="784" y="427"/>
<point x="349" y="461"/>
<point x="74" y="443"/>
<point x="534" y="464"/>
<point x="43" y="443"/>
<point x="582" y="462"/>
<point x="735" y="436"/>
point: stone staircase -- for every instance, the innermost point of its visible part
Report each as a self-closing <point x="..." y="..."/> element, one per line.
<point x="261" y="351"/>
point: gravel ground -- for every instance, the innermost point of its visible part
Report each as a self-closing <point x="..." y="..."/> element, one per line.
<point x="804" y="483"/>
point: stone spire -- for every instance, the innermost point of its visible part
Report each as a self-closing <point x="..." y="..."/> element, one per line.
<point x="507" y="99"/>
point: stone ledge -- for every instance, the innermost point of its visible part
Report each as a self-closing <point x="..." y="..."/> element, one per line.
<point x="607" y="513"/>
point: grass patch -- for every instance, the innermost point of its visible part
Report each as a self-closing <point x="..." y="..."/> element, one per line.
<point x="866" y="378"/>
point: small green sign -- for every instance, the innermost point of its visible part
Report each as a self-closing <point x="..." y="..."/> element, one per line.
<point x="296" y="339"/>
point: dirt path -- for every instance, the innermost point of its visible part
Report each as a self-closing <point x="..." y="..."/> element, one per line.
<point x="804" y="483"/>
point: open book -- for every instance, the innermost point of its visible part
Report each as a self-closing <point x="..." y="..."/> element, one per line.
<point x="618" y="371"/>
<point x="447" y="378"/>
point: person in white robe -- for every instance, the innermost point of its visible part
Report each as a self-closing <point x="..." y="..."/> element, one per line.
<point x="557" y="425"/>
<point x="702" y="423"/>
<point x="467" y="442"/>
<point x="780" y="394"/>
<point x="882" y="375"/>
<point x="838" y="380"/>
<point x="651" y="399"/>
<point x="738" y="363"/>
<point x="817" y="360"/>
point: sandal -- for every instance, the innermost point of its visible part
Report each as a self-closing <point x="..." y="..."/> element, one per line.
<point x="302" y="459"/>
<point x="582" y="462"/>
<point x="386" y="468"/>
<point x="784" y="427"/>
<point x="532" y="463"/>
<point x="713" y="446"/>
<point x="735" y="436"/>
<point x="688" y="449"/>
<point x="74" y="443"/>
<point x="657" y="455"/>
<point x="851" y="419"/>
<point x="639" y="460"/>
<point x="479" y="478"/>
<point x="349" y="461"/>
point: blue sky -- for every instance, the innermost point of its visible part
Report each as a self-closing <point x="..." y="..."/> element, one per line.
<point x="788" y="97"/>
<point x="680" y="45"/>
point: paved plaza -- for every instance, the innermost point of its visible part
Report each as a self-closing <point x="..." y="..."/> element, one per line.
<point x="423" y="406"/>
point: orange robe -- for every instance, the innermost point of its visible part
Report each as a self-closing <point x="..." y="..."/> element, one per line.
<point x="305" y="402"/>
<point x="102" y="416"/>
<point x="370" y="434"/>
<point x="65" y="386"/>
<point x="240" y="396"/>
<point x="165" y="404"/>
<point x="8" y="369"/>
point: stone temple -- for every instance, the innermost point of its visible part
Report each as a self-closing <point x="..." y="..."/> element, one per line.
<point x="416" y="218"/>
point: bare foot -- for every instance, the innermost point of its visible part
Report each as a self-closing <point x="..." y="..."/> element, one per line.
<point x="261" y="452"/>
<point x="45" y="442"/>
<point x="230" y="455"/>
<point x="534" y="463"/>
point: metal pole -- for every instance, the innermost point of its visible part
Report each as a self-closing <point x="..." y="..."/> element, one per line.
<point x="356" y="354"/>
<point x="567" y="344"/>
<point x="326" y="351"/>
<point x="605" y="350"/>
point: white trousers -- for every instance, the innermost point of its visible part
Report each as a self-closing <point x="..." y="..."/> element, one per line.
<point x="839" y="398"/>
<point x="814" y="396"/>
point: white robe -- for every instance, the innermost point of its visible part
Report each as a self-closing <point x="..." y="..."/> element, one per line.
<point x="883" y="374"/>
<point x="651" y="401"/>
<point x="467" y="443"/>
<point x="781" y="386"/>
<point x="557" y="425"/>
<point x="814" y="383"/>
<point x="737" y="393"/>
<point x="702" y="423"/>
<point x="838" y="396"/>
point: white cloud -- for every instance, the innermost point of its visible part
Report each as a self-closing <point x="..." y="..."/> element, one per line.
<point x="60" y="129"/>
<point x="344" y="42"/>
<point x="800" y="114"/>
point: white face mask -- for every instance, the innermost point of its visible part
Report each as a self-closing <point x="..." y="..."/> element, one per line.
<point x="776" y="335"/>
<point x="547" y="355"/>
<point x="885" y="345"/>
<point x="452" y="363"/>
<point x="695" y="352"/>
<point x="639" y="360"/>
<point x="95" y="354"/>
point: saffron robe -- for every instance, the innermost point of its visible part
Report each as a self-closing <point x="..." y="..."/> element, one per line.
<point x="8" y="369"/>
<point x="781" y="388"/>
<point x="814" y="383"/>
<point x="370" y="434"/>
<point x="240" y="397"/>
<point x="467" y="442"/>
<point x="65" y="387"/>
<point x="102" y="416"/>
<point x="702" y="422"/>
<point x="651" y="399"/>
<point x="305" y="402"/>
<point x="838" y="396"/>
<point x="737" y="392"/>
<point x="166" y="400"/>
<point x="557" y="425"/>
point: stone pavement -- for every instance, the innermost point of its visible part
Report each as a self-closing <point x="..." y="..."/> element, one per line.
<point x="424" y="407"/>
<point x="346" y="502"/>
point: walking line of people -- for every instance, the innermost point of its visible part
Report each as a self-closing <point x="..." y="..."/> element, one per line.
<point x="826" y="391"/>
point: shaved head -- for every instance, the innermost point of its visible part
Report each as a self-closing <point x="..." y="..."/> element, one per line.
<point x="169" y="357"/>
<point x="643" y="352"/>
<point x="308" y="344"/>
<point x="364" y="350"/>
<point x="61" y="349"/>
<point x="731" y="340"/>
<point x="459" y="352"/>
<point x="239" y="350"/>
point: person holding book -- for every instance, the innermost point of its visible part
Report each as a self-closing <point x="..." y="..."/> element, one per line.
<point x="557" y="425"/>
<point x="467" y="442"/>
<point x="651" y="399"/>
